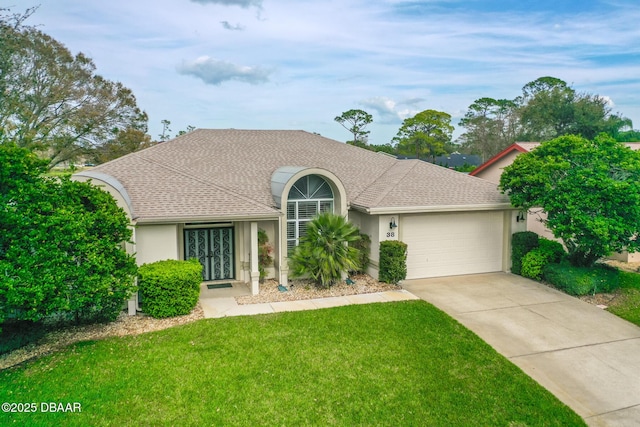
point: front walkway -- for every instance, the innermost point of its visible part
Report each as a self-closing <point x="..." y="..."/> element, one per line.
<point x="222" y="303"/>
<point x="585" y="356"/>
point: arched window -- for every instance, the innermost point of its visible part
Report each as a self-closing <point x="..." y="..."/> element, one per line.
<point x="308" y="197"/>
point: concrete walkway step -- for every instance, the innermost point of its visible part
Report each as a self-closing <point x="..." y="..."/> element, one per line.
<point x="227" y="306"/>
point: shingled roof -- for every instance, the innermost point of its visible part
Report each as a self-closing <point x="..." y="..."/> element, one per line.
<point x="226" y="173"/>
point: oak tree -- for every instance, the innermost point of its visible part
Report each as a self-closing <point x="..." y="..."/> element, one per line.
<point x="589" y="190"/>
<point x="424" y="134"/>
<point x="491" y="125"/>
<point x="53" y="102"/>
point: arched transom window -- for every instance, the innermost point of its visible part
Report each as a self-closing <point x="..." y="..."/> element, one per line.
<point x="308" y="197"/>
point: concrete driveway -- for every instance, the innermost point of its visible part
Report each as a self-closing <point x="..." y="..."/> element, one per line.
<point x="587" y="357"/>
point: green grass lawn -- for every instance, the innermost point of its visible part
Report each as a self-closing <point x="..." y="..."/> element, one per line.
<point x="395" y="364"/>
<point x="627" y="302"/>
<point x="629" y="305"/>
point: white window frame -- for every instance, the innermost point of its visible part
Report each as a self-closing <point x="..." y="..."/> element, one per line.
<point x="323" y="204"/>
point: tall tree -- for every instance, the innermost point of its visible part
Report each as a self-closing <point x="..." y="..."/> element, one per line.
<point x="166" y="131"/>
<point x="355" y="121"/>
<point x="52" y="101"/>
<point x="551" y="108"/>
<point x="424" y="134"/>
<point x="124" y="142"/>
<point x="491" y="125"/>
<point x="590" y="191"/>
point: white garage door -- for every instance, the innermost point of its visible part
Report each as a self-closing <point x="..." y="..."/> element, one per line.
<point x="447" y="244"/>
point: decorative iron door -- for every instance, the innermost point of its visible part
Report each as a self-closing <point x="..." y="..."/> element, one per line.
<point x="213" y="247"/>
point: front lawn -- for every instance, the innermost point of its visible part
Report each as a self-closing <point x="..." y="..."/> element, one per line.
<point x="394" y="364"/>
<point x="627" y="305"/>
<point x="627" y="300"/>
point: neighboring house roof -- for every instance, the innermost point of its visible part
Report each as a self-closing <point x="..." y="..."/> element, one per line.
<point x="521" y="147"/>
<point x="455" y="160"/>
<point x="226" y="173"/>
<point x="450" y="160"/>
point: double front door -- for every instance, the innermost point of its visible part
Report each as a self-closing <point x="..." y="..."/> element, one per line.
<point x="213" y="247"/>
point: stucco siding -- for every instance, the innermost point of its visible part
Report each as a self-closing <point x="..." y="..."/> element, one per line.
<point x="156" y="243"/>
<point x="493" y="172"/>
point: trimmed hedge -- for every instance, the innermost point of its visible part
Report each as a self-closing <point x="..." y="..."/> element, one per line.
<point x="363" y="246"/>
<point x="582" y="280"/>
<point x="393" y="261"/>
<point x="547" y="252"/>
<point x="170" y="288"/>
<point x="521" y="243"/>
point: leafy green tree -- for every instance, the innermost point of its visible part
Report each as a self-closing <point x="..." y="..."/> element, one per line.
<point x="186" y="131"/>
<point x="491" y="125"/>
<point x="590" y="191"/>
<point x="628" y="136"/>
<point x="424" y="134"/>
<point x="52" y="102"/>
<point x="551" y="108"/>
<point x="355" y="121"/>
<point x="61" y="245"/>
<point x="383" y="148"/>
<point x="324" y="253"/>
<point x="124" y="142"/>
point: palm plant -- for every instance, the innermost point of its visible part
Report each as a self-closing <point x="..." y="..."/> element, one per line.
<point x="323" y="253"/>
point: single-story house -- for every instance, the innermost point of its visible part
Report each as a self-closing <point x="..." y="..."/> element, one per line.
<point x="491" y="170"/>
<point x="205" y="194"/>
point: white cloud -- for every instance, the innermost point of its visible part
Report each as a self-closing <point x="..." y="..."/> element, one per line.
<point x="227" y="26"/>
<point x="607" y="100"/>
<point x="242" y="3"/>
<point x="390" y="111"/>
<point x="215" y="72"/>
<point x="333" y="55"/>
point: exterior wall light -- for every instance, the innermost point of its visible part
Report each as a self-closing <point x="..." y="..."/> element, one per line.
<point x="520" y="216"/>
<point x="392" y="224"/>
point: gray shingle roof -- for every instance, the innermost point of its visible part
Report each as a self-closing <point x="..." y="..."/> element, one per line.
<point x="226" y="173"/>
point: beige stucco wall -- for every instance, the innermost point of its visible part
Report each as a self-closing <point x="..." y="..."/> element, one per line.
<point x="492" y="173"/>
<point x="157" y="243"/>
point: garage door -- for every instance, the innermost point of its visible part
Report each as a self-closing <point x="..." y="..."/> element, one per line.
<point x="447" y="244"/>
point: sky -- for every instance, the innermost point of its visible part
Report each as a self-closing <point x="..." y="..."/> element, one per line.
<point x="297" y="64"/>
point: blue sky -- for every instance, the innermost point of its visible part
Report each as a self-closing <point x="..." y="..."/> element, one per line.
<point x="296" y="64"/>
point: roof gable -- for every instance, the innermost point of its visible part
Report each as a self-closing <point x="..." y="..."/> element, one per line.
<point x="521" y="147"/>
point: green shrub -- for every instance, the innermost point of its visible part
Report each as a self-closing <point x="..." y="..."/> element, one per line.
<point x="170" y="288"/>
<point x="393" y="261"/>
<point x="548" y="251"/>
<point x="363" y="246"/>
<point x="521" y="243"/>
<point x="61" y="251"/>
<point x="582" y="280"/>
<point x="324" y="253"/>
